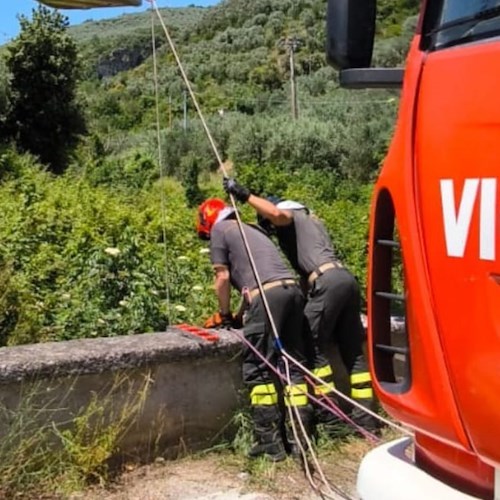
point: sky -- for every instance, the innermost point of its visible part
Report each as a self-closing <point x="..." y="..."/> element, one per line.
<point x="10" y="9"/>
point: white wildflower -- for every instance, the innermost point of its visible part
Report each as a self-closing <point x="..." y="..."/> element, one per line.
<point x="182" y="257"/>
<point x="180" y="308"/>
<point x="197" y="288"/>
<point x="123" y="303"/>
<point x="112" y="251"/>
<point x="205" y="250"/>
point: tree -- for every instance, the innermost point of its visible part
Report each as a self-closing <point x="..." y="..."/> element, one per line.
<point x="4" y="95"/>
<point x="45" y="118"/>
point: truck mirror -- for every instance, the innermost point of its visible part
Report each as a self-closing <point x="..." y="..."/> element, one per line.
<point x="350" y="31"/>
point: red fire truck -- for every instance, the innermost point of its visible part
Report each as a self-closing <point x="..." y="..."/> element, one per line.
<point x="438" y="190"/>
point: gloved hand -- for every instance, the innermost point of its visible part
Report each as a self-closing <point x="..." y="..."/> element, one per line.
<point x="218" y="320"/>
<point x="241" y="193"/>
<point x="237" y="321"/>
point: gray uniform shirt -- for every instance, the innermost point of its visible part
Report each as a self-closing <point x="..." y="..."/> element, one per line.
<point x="227" y="248"/>
<point x="305" y="242"/>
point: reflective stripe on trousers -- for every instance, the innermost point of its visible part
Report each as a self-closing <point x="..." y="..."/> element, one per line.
<point x="325" y="373"/>
<point x="361" y="385"/>
<point x="263" y="395"/>
<point x="296" y="395"/>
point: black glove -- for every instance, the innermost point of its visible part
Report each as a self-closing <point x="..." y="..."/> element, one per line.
<point x="226" y="320"/>
<point x="241" y="193"/>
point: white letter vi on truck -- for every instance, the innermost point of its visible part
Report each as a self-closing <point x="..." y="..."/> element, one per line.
<point x="457" y="222"/>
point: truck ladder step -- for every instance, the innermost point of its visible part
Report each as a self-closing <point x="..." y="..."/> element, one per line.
<point x="389" y="243"/>
<point x="391" y="296"/>
<point x="393" y="349"/>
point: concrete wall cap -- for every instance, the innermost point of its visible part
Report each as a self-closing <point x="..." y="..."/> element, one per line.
<point x="85" y="356"/>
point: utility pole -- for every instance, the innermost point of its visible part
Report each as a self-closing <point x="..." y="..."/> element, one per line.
<point x="292" y="44"/>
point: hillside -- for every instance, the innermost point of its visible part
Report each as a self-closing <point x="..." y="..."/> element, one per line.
<point x="233" y="47"/>
<point x="235" y="55"/>
<point x="113" y="45"/>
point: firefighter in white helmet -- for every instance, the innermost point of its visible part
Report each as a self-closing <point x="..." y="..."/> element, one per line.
<point x="333" y="301"/>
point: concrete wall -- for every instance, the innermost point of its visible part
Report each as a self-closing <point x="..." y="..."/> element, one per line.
<point x="171" y="391"/>
<point x="180" y="391"/>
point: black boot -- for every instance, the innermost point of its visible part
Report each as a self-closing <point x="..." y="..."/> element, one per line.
<point x="306" y="415"/>
<point x="268" y="441"/>
<point x="362" y="393"/>
<point x="365" y="420"/>
<point x="329" y="424"/>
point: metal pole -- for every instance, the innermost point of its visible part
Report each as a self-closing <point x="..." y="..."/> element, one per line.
<point x="292" y="45"/>
<point x="293" y="90"/>
<point x="170" y="111"/>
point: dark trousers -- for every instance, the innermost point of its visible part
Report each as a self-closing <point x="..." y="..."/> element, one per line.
<point x="333" y="317"/>
<point x="286" y="304"/>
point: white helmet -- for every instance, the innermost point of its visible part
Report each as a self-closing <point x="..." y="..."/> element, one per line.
<point x="290" y="205"/>
<point x="224" y="214"/>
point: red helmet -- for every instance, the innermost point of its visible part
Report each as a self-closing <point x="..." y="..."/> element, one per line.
<point x="208" y="212"/>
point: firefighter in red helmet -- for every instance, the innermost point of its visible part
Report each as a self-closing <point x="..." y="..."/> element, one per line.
<point x="231" y="263"/>
<point x="208" y="212"/>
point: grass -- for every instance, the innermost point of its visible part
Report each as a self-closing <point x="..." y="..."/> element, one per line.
<point x="41" y="457"/>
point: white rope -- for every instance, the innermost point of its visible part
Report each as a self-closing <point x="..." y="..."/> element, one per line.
<point x="160" y="165"/>
<point x="188" y="85"/>
<point x="347" y="398"/>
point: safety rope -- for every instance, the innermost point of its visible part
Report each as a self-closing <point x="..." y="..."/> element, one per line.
<point x="188" y="84"/>
<point x="160" y="166"/>
<point x="329" y="404"/>
<point x="334" y="491"/>
<point x="287" y="359"/>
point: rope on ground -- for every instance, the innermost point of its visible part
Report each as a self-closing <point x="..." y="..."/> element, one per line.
<point x="309" y="469"/>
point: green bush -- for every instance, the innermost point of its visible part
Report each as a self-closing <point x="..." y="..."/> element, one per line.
<point x="82" y="261"/>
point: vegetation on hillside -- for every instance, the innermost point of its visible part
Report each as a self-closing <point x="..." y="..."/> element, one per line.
<point x="108" y="247"/>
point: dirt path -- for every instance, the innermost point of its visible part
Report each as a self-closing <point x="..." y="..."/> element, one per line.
<point x="226" y="476"/>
